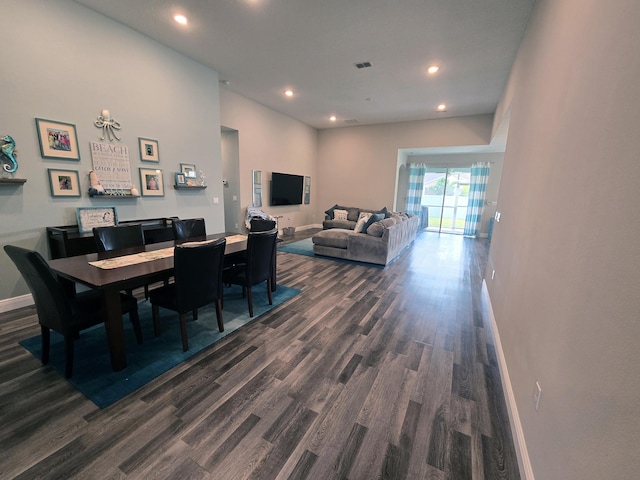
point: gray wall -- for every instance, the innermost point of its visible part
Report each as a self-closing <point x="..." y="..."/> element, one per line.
<point x="64" y="62"/>
<point x="271" y="142"/>
<point x="565" y="295"/>
<point x="359" y="165"/>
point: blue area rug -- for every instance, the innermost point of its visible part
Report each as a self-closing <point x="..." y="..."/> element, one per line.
<point x="305" y="247"/>
<point x="92" y="373"/>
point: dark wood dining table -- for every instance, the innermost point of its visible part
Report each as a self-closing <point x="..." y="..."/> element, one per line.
<point x="110" y="282"/>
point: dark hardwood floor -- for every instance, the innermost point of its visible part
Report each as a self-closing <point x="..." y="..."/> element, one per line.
<point x="369" y="373"/>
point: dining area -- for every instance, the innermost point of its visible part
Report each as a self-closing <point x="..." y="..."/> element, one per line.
<point x="176" y="277"/>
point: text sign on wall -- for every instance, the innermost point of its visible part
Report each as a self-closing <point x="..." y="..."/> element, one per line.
<point x="111" y="165"/>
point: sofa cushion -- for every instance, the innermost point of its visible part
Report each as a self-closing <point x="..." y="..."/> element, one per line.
<point x="326" y="224"/>
<point x="339" y="214"/>
<point x="352" y="213"/>
<point x="336" y="237"/>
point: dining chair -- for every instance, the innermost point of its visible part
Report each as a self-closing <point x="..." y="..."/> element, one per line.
<point x="198" y="282"/>
<point x="262" y="225"/>
<point x="119" y="237"/>
<point x="258" y="267"/>
<point x="188" y="229"/>
<point x="57" y="310"/>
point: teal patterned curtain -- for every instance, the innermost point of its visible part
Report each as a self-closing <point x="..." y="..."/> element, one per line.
<point x="415" y="187"/>
<point x="477" y="191"/>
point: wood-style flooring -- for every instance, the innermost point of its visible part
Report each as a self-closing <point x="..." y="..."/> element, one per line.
<point x="368" y="373"/>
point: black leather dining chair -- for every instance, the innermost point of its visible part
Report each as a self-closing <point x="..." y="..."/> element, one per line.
<point x="262" y="225"/>
<point x="188" y="229"/>
<point x="198" y="282"/>
<point x="258" y="267"/>
<point x="118" y="237"/>
<point x="57" y="310"/>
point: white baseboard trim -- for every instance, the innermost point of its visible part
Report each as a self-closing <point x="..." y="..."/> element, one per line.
<point x="309" y="227"/>
<point x="9" y="304"/>
<point x="301" y="228"/>
<point x="516" y="426"/>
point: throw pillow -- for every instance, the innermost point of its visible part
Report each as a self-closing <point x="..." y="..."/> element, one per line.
<point x="388" y="222"/>
<point x="375" y="229"/>
<point x="340" y="214"/>
<point x="376" y="217"/>
<point x="384" y="211"/>
<point x="330" y="211"/>
<point x="362" y="222"/>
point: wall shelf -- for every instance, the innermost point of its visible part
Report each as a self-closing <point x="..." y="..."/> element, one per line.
<point x="189" y="187"/>
<point x="114" y="197"/>
<point x="12" y="181"/>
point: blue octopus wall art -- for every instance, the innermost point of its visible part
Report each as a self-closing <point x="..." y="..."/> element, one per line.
<point x="8" y="154"/>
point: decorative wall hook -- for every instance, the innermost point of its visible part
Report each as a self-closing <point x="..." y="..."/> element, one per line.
<point x="108" y="125"/>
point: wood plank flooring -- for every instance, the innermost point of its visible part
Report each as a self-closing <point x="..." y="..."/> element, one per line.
<point x="369" y="373"/>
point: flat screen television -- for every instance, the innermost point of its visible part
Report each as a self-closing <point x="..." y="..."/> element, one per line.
<point x="286" y="189"/>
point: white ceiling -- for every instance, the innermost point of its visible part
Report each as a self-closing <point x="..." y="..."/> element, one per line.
<point x="262" y="47"/>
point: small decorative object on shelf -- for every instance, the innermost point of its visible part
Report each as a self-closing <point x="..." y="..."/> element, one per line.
<point x="94" y="185"/>
<point x="108" y="125"/>
<point x="201" y="178"/>
<point x="8" y="154"/>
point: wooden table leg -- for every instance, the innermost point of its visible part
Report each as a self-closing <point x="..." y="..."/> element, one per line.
<point x="114" y="327"/>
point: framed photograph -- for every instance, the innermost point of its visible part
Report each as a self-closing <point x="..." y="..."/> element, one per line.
<point x="151" y="182"/>
<point x="89" y="217"/>
<point x="307" y="190"/>
<point x="188" y="169"/>
<point x="57" y="140"/>
<point x="148" y="150"/>
<point x="180" y="178"/>
<point x="64" y="183"/>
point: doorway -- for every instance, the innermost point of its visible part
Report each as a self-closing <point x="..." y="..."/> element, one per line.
<point x="231" y="180"/>
<point x="445" y="198"/>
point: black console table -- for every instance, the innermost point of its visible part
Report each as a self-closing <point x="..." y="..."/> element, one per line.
<point x="67" y="241"/>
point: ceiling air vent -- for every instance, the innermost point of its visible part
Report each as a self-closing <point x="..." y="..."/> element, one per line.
<point x="353" y="120"/>
<point x="363" y="65"/>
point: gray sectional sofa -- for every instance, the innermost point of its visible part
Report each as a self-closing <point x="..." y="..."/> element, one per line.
<point x="380" y="242"/>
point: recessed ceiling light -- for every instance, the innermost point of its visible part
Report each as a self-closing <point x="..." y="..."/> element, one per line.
<point x="333" y="118"/>
<point x="181" y="19"/>
<point x="441" y="108"/>
<point x="288" y="92"/>
<point x="433" y="69"/>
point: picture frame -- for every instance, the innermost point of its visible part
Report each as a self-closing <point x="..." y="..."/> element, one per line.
<point x="90" y="217"/>
<point x="57" y="140"/>
<point x="151" y="182"/>
<point x="181" y="179"/>
<point x="149" y="151"/>
<point x="307" y="190"/>
<point x="64" y="183"/>
<point x="189" y="170"/>
<point x="257" y="188"/>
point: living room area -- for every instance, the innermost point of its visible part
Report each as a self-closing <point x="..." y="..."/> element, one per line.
<point x="462" y="358"/>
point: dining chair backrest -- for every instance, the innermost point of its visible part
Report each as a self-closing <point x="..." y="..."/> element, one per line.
<point x="51" y="300"/>
<point x="198" y="274"/>
<point x="260" y="253"/>
<point x="118" y="237"/>
<point x="188" y="229"/>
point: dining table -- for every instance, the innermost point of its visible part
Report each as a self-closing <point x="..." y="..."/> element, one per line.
<point x="114" y="271"/>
